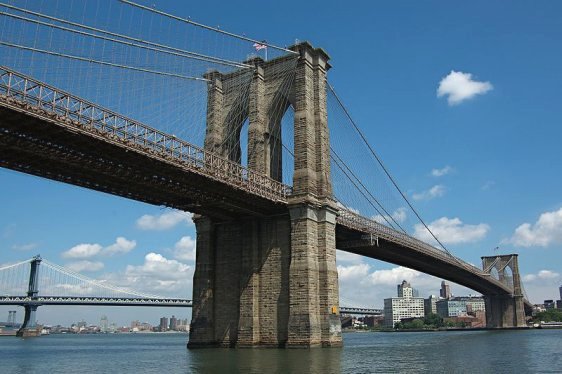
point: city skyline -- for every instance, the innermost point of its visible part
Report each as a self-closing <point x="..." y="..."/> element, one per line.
<point x="488" y="136"/>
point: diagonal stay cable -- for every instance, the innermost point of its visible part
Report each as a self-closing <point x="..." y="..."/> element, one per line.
<point x="386" y="170"/>
<point x="128" y="67"/>
<point x="368" y="192"/>
<point x="189" y="54"/>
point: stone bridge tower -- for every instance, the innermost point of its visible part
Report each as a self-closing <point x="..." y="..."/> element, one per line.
<point x="271" y="281"/>
<point x="504" y="311"/>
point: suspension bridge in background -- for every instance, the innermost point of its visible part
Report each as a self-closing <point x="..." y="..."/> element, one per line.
<point x="29" y="285"/>
<point x="263" y="150"/>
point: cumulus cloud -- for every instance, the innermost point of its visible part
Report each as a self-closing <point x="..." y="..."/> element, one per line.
<point x="546" y="231"/>
<point x="184" y="249"/>
<point x="441" y="172"/>
<point x="82" y="251"/>
<point x="164" y="221"/>
<point x="394" y="276"/>
<point x="459" y="86"/>
<point x="451" y="231"/>
<point x="350" y="272"/>
<point x="399" y="216"/>
<point x="85" y="266"/>
<point x="158" y="275"/>
<point x="88" y="250"/>
<point x="435" y="191"/>
<point x="541" y="275"/>
<point x="120" y="246"/>
<point x="542" y="285"/>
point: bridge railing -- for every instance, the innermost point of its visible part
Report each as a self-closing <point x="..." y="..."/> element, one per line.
<point x="360" y="223"/>
<point x="71" y="111"/>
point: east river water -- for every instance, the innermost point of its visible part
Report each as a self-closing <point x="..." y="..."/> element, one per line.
<point x="530" y="351"/>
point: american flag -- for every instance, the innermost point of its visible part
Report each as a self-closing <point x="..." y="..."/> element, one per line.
<point x="259" y="46"/>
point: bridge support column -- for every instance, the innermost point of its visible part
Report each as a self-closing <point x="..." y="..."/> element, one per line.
<point x="271" y="281"/>
<point x="504" y="311"/>
<point x="241" y="283"/>
<point x="29" y="326"/>
<point x="314" y="318"/>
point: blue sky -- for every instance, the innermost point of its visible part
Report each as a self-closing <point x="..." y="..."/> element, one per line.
<point x="483" y="170"/>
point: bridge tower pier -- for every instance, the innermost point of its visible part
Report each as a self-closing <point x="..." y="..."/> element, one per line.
<point x="271" y="281"/>
<point x="29" y="325"/>
<point x="504" y="311"/>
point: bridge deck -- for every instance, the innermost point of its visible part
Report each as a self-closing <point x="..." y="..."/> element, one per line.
<point x="100" y="301"/>
<point x="53" y="134"/>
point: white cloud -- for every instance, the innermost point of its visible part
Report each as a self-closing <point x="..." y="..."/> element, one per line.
<point x="435" y="191"/>
<point x="84" y="266"/>
<point x="82" y="251"/>
<point x="541" y="275"/>
<point x="441" y="172"/>
<point x="542" y="286"/>
<point x="25" y="247"/>
<point x="543" y="233"/>
<point x="451" y="231"/>
<point x="394" y="276"/>
<point x="459" y="86"/>
<point x="165" y="221"/>
<point x="351" y="272"/>
<point x="120" y="246"/>
<point x="399" y="216"/>
<point x="184" y="249"/>
<point x="158" y="275"/>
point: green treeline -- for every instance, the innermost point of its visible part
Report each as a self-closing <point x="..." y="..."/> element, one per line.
<point x="550" y="315"/>
<point x="430" y="322"/>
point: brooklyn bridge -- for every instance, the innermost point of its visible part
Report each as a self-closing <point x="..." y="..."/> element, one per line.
<point x="273" y="190"/>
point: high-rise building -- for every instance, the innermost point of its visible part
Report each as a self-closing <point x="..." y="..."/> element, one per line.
<point x="403" y="306"/>
<point x="104" y="324"/>
<point x="549" y="304"/>
<point x="11" y="318"/>
<point x="445" y="291"/>
<point x="173" y="323"/>
<point x="164" y="324"/>
<point x="405" y="290"/>
<point x="430" y="305"/>
<point x="560" y="290"/>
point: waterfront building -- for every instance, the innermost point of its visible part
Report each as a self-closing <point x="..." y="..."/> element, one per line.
<point x="459" y="306"/>
<point x="445" y="291"/>
<point x="164" y="324"/>
<point x="403" y="306"/>
<point x="104" y="324"/>
<point x="173" y="323"/>
<point x="430" y="305"/>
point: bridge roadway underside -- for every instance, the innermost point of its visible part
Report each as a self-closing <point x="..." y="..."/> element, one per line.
<point x="352" y="241"/>
<point x="46" y="149"/>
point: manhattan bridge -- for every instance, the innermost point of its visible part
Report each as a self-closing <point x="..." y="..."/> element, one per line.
<point x="127" y="99"/>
